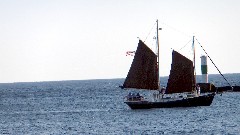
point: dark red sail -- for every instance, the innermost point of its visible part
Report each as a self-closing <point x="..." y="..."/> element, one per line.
<point x="181" y="78"/>
<point x="143" y="73"/>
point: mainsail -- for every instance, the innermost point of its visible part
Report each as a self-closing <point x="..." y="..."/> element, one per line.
<point x="181" y="78"/>
<point x="143" y="73"/>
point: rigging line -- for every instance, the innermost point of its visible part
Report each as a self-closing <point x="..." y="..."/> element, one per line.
<point x="175" y="29"/>
<point x="149" y="32"/>
<point x="186" y="44"/>
<point x="214" y="64"/>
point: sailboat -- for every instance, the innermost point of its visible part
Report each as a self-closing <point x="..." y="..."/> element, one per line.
<point x="181" y="86"/>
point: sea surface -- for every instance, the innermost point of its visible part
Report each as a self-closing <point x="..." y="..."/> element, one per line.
<point x="96" y="107"/>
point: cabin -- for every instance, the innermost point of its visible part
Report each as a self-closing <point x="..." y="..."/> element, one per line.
<point x="207" y="87"/>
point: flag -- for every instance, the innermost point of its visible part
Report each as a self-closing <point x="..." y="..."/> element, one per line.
<point x="131" y="53"/>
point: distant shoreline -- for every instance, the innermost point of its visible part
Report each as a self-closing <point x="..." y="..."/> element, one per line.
<point x="210" y="75"/>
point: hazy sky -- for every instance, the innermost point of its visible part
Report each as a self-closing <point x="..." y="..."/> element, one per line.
<point x="43" y="40"/>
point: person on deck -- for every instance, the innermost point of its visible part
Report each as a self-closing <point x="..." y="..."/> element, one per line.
<point x="154" y="96"/>
<point x="163" y="90"/>
<point x="198" y="90"/>
<point x="129" y="97"/>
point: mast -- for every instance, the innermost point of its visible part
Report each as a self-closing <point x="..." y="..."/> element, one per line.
<point x="194" y="63"/>
<point x="157" y="42"/>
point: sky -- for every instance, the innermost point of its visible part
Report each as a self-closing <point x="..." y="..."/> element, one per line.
<point x="52" y="40"/>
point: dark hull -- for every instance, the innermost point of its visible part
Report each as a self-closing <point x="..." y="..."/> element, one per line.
<point x="204" y="100"/>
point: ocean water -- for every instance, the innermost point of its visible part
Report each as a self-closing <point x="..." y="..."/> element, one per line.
<point x="96" y="107"/>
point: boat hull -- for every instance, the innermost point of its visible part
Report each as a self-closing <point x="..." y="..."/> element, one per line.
<point x="203" y="100"/>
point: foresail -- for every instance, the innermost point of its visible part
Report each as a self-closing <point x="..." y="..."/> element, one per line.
<point x="143" y="73"/>
<point x="181" y="78"/>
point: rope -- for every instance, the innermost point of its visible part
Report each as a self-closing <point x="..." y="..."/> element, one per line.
<point x="149" y="32"/>
<point x="186" y="44"/>
<point x="214" y="64"/>
<point x="175" y="29"/>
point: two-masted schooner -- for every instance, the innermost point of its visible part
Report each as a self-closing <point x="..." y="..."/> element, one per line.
<point x="181" y="86"/>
